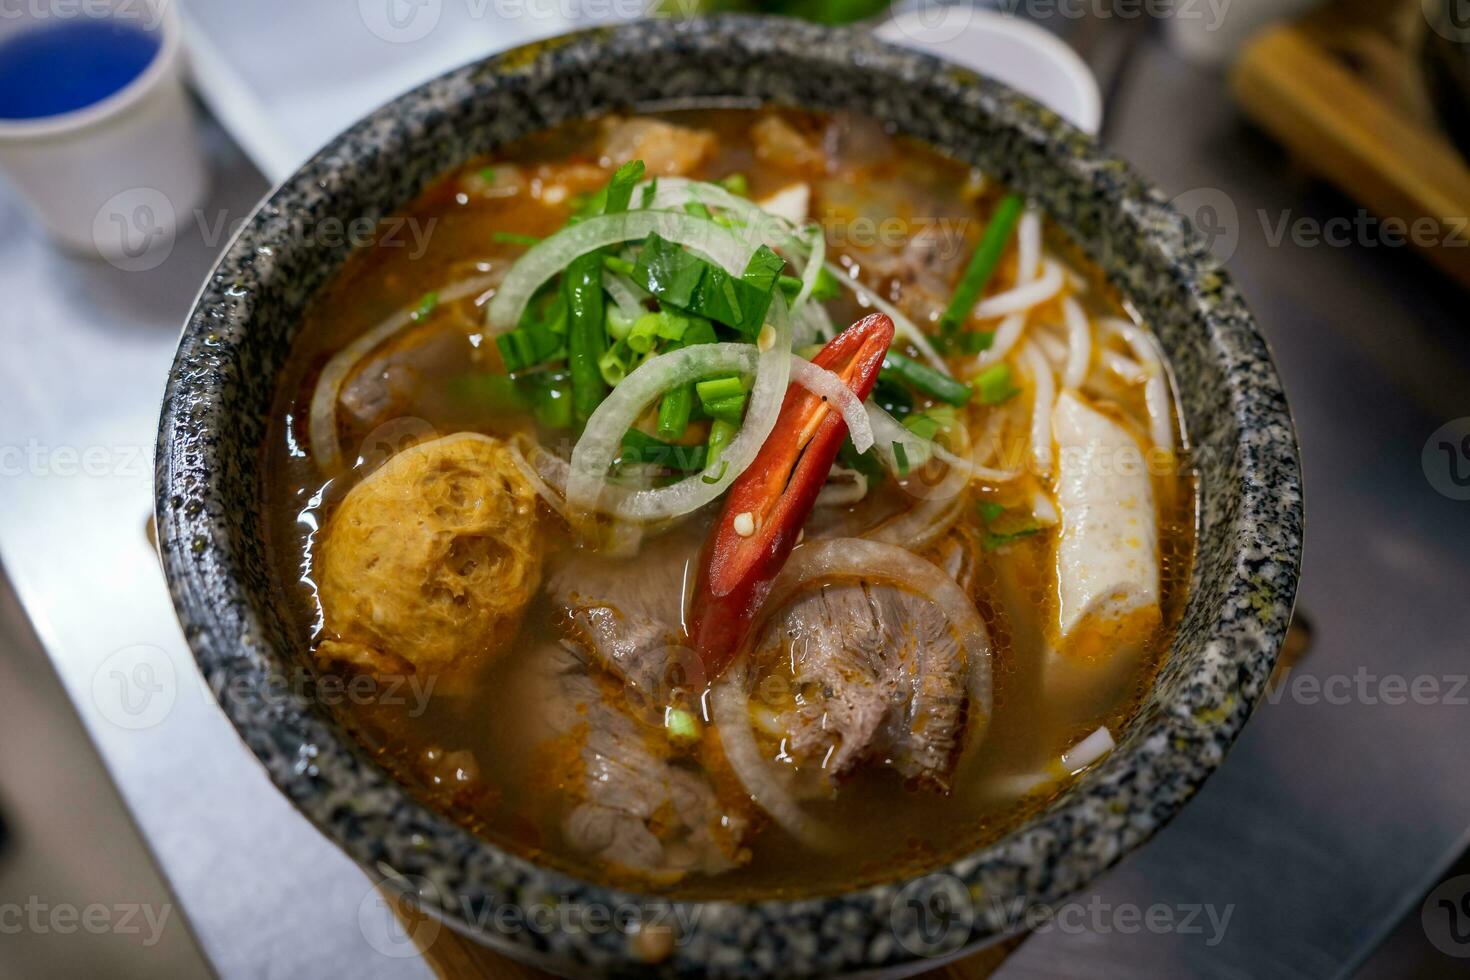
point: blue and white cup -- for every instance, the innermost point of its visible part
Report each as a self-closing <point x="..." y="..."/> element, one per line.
<point x="100" y="138"/>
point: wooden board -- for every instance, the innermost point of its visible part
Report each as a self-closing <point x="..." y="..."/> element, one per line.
<point x="1343" y="91"/>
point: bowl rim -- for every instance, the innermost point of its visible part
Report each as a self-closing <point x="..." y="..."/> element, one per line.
<point x="203" y="583"/>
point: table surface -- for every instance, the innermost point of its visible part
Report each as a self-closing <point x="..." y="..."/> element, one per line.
<point x="1323" y="827"/>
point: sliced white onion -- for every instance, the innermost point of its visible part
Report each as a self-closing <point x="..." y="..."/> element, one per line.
<point x="904" y="328"/>
<point x="1079" y="344"/>
<point x="603" y="436"/>
<point x="828" y="386"/>
<point x="730" y="708"/>
<point x="1088" y="751"/>
<point x="322" y="416"/>
<point x="1156" y="388"/>
<point x="1044" y="395"/>
<point x="925" y="522"/>
<point x="1023" y="298"/>
<point x="625" y="294"/>
<point x="1043" y="510"/>
<point x="843" y="487"/>
<point x="553" y="499"/>
<point x="816" y="243"/>
<point x="552" y="255"/>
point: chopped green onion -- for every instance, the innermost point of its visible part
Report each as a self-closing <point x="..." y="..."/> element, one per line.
<point x="993" y="385"/>
<point x="901" y="457"/>
<point x="618" y="265"/>
<point x="974" y="341"/>
<point x="982" y="264"/>
<point x="925" y="379"/>
<point x="730" y="409"/>
<point x="644" y="332"/>
<point x="613" y="364"/>
<point x="426" y="305"/>
<point x="487" y="174"/>
<point x="650" y="190"/>
<point x="718" y="475"/>
<point x="929" y="423"/>
<point x="513" y="238"/>
<point x="682" y="727"/>
<point x="673" y="411"/>
<point x="618" y="324"/>
<point x="993" y="541"/>
<point x="586" y="339"/>
<point x="736" y="184"/>
<point x="990" y="511"/>
<point x="526" y="347"/>
<point x="720" y="435"/>
<point x="698" y="209"/>
<point x="716" y="389"/>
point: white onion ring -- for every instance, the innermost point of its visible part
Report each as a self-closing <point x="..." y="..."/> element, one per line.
<point x="603" y="436"/>
<point x="828" y="386"/>
<point x="624" y="293"/>
<point x="321" y="428"/>
<point x="867" y="560"/>
<point x="552" y="255"/>
<point x="843" y="487"/>
<point x="730" y="708"/>
<point x="904" y="328"/>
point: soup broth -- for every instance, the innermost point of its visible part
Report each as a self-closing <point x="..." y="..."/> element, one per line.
<point x="524" y="705"/>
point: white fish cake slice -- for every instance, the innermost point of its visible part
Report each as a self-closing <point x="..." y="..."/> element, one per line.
<point x="1108" y="546"/>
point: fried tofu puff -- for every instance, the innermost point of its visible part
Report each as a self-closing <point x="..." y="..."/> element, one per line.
<point x="428" y="563"/>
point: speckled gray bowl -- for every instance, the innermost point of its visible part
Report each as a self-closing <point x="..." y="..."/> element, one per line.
<point x="209" y="512"/>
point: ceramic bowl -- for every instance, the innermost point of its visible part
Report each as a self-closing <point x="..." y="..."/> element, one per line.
<point x="241" y="331"/>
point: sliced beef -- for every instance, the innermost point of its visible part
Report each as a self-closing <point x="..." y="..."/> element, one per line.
<point x="626" y="614"/>
<point x="878" y="676"/>
<point x="630" y="804"/>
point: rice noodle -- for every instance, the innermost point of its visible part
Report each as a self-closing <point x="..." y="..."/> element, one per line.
<point x="322" y="415"/>
<point x="1023" y="297"/>
<point x="821" y="382"/>
<point x="1028" y="246"/>
<point x="552" y="255"/>
<point x="1007" y="335"/>
<point x="1043" y="396"/>
<point x="922" y="524"/>
<point x="602" y="438"/>
<point x="1156" y="387"/>
<point x="1124" y="367"/>
<point x="904" y="328"/>
<point x="1079" y="344"/>
<point x="1052" y="346"/>
<point x="1088" y="751"/>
